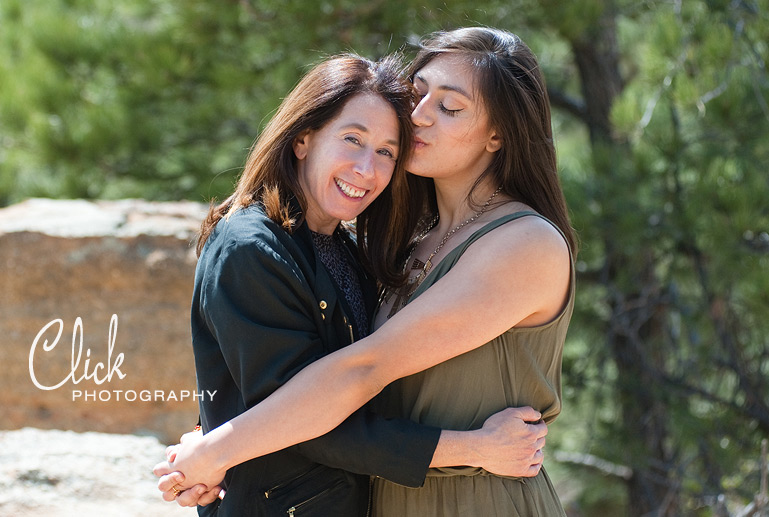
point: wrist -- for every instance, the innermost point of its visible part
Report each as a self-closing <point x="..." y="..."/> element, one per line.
<point x="482" y="443"/>
<point x="214" y="451"/>
<point x="458" y="448"/>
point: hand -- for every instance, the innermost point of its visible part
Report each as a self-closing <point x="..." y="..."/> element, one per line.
<point x="187" y="473"/>
<point x="169" y="484"/>
<point x="511" y="442"/>
<point x="198" y="495"/>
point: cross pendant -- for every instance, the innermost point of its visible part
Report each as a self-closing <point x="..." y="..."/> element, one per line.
<point x="424" y="266"/>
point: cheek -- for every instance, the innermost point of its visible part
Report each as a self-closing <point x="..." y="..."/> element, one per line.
<point x="460" y="136"/>
<point x="461" y="131"/>
<point x="386" y="176"/>
<point x="384" y="171"/>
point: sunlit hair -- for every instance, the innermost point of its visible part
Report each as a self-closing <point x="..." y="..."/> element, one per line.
<point x="511" y="86"/>
<point x="270" y="174"/>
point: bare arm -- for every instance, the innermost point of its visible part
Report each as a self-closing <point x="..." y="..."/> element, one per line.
<point x="526" y="271"/>
<point x="510" y="443"/>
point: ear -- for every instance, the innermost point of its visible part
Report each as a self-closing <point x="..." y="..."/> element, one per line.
<point x="495" y="143"/>
<point x="300" y="144"/>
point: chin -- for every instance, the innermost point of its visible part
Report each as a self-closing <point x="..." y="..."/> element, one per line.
<point x="348" y="216"/>
<point x="416" y="169"/>
<point x="419" y="172"/>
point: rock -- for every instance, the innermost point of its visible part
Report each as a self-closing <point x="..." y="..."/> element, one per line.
<point x="63" y="473"/>
<point x="128" y="262"/>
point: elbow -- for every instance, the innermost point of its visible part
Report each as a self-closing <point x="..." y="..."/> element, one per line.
<point x="376" y="380"/>
<point x="365" y="375"/>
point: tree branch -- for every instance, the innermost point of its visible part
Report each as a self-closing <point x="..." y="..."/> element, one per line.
<point x="572" y="105"/>
<point x="594" y="462"/>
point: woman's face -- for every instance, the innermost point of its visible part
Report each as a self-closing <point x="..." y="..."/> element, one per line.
<point x="452" y="130"/>
<point x="346" y="164"/>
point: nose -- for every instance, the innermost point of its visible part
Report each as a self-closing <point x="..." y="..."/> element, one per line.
<point x="420" y="115"/>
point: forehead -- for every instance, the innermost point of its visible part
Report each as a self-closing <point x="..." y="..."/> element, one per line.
<point x="368" y="110"/>
<point x="448" y="70"/>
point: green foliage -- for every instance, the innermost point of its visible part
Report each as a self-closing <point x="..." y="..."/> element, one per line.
<point x="681" y="207"/>
<point x="162" y="99"/>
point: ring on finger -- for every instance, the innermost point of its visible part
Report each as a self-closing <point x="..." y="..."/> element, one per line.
<point x="177" y="491"/>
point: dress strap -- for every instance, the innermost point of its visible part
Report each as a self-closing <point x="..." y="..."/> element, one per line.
<point x="496" y="223"/>
<point x="453" y="256"/>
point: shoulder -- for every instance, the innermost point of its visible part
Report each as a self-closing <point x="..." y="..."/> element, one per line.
<point x="534" y="232"/>
<point x="526" y="264"/>
<point x="250" y="227"/>
<point x="248" y="235"/>
<point x="527" y="247"/>
<point x="247" y="226"/>
<point x="528" y="234"/>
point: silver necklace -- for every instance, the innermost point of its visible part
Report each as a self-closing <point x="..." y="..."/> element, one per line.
<point x="405" y="292"/>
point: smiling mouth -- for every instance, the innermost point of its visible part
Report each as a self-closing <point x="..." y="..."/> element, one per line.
<point x="349" y="190"/>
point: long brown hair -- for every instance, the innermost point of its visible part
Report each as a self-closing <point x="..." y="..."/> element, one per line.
<point x="514" y="94"/>
<point x="270" y="176"/>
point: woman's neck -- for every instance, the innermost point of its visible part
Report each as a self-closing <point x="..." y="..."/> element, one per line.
<point x="323" y="225"/>
<point x="453" y="204"/>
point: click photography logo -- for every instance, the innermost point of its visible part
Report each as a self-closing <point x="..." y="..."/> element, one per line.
<point x="53" y="368"/>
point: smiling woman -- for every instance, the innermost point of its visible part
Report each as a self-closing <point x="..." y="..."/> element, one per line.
<point x="346" y="164"/>
<point x="278" y="284"/>
<point x="377" y="120"/>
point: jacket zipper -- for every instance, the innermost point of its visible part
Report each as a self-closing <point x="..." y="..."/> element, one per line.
<point x="269" y="491"/>
<point x="296" y="507"/>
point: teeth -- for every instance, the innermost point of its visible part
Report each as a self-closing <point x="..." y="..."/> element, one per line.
<point x="349" y="189"/>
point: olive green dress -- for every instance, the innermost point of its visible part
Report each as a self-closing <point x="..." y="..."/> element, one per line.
<point x="519" y="368"/>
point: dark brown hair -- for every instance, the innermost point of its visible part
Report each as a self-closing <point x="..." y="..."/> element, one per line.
<point x="270" y="176"/>
<point x="514" y="94"/>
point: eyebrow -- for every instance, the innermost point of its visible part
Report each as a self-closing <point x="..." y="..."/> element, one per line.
<point x="364" y="129"/>
<point x="446" y="87"/>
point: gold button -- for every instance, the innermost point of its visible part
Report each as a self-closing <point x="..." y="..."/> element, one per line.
<point x="323" y="304"/>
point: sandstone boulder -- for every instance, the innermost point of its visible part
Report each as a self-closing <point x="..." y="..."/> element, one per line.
<point x="123" y="270"/>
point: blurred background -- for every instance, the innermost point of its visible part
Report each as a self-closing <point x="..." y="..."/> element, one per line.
<point x="661" y="119"/>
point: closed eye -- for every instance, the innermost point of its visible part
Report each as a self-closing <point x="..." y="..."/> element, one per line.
<point x="444" y="109"/>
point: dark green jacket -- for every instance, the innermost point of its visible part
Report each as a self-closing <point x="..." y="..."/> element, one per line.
<point x="263" y="308"/>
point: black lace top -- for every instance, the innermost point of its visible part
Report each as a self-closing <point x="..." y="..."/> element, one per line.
<point x="335" y="257"/>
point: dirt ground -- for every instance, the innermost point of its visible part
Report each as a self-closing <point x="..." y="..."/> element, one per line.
<point x="67" y="474"/>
